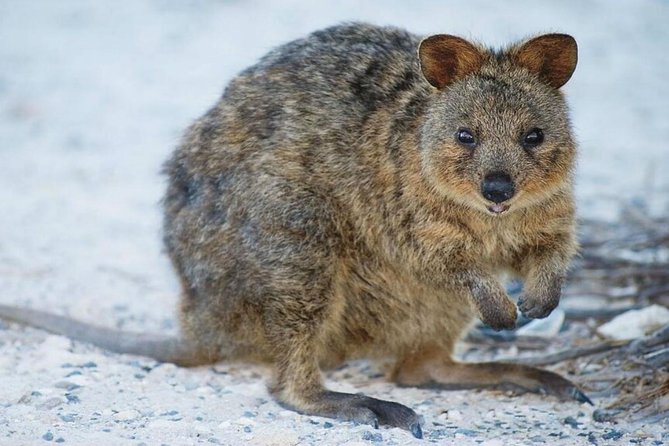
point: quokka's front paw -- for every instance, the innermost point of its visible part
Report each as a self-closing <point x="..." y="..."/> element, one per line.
<point x="538" y="305"/>
<point x="499" y="313"/>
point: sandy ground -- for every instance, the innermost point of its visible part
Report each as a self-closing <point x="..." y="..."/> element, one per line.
<point x="93" y="97"/>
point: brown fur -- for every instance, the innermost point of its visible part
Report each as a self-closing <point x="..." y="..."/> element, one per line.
<point x="323" y="210"/>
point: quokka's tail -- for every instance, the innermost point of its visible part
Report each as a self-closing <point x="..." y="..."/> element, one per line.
<point x="158" y="347"/>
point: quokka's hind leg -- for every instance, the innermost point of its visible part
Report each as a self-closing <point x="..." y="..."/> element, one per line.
<point x="433" y="367"/>
<point x="298" y="386"/>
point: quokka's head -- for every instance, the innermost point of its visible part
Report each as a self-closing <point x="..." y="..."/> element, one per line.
<point x="496" y="135"/>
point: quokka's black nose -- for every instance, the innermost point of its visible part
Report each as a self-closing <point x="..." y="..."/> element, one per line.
<point x="497" y="187"/>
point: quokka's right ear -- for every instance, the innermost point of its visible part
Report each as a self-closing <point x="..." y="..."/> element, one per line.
<point x="552" y="57"/>
<point x="444" y="59"/>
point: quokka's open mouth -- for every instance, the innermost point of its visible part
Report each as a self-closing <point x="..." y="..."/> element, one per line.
<point x="498" y="208"/>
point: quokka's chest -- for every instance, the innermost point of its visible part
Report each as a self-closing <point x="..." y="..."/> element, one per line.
<point x="470" y="242"/>
<point x="501" y="247"/>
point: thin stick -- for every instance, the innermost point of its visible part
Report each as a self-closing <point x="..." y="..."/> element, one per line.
<point x="572" y="353"/>
<point x="636" y="346"/>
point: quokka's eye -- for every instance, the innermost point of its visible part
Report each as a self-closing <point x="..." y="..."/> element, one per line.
<point x="533" y="138"/>
<point x="465" y="137"/>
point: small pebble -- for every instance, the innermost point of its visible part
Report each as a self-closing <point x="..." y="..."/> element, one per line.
<point x="48" y="436"/>
<point x="372" y="436"/>
<point x="60" y="440"/>
<point x="140" y="365"/>
<point x="558" y="434"/>
<point x="25" y="399"/>
<point x="89" y="365"/>
<point x="601" y="415"/>
<point x="612" y="435"/>
<point x="51" y="403"/>
<point x="247" y="429"/>
<point x="250" y="414"/>
<point x="466" y="432"/>
<point x="571" y="421"/>
<point x="69" y="418"/>
<point x="438" y="434"/>
<point x="327" y="425"/>
<point x="73" y="399"/>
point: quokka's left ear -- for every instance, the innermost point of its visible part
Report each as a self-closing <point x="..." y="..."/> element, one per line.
<point x="552" y="57"/>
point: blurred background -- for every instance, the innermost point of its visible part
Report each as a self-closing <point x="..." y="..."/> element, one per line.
<point x="94" y="96"/>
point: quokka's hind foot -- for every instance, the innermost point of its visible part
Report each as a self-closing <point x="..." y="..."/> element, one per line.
<point x="361" y="409"/>
<point x="298" y="386"/>
<point x="433" y="368"/>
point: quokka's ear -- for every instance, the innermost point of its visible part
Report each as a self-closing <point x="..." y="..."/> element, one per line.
<point x="552" y="57"/>
<point x="444" y="59"/>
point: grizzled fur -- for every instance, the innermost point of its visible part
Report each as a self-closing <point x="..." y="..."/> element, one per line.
<point x="322" y="210"/>
<point x="328" y="207"/>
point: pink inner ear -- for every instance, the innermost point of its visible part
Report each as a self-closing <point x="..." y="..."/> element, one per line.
<point x="445" y="59"/>
<point x="552" y="57"/>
